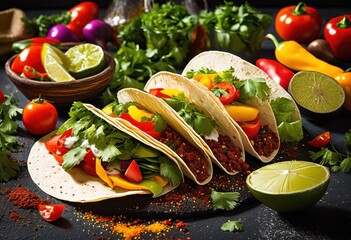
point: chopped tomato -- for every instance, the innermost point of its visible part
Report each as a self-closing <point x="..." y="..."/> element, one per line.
<point x="251" y="128"/>
<point x="51" y="144"/>
<point x="58" y="158"/>
<point x="158" y="93"/>
<point x="320" y="140"/>
<point x="61" y="149"/>
<point x="88" y="163"/>
<point x="133" y="172"/>
<point x="226" y="92"/>
<point x="51" y="212"/>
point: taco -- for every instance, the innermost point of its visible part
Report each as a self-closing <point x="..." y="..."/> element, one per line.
<point x="211" y="127"/>
<point x="89" y="159"/>
<point x="263" y="112"/>
<point x="149" y="117"/>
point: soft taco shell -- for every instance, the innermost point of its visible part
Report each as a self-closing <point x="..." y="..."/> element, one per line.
<point x="221" y="61"/>
<point x="209" y="108"/>
<point x="76" y="185"/>
<point x="156" y="105"/>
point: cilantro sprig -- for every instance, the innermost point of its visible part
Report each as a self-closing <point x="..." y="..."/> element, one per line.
<point x="232" y="226"/>
<point x="225" y="200"/>
<point x="8" y="142"/>
<point x="339" y="162"/>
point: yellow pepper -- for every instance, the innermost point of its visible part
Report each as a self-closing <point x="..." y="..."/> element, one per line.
<point x="171" y="92"/>
<point x="139" y="114"/>
<point x="296" y="57"/>
<point x="241" y="112"/>
<point x="344" y="79"/>
<point x="100" y="171"/>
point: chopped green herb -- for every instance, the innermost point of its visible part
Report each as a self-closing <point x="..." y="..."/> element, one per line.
<point x="225" y="200"/>
<point x="232" y="226"/>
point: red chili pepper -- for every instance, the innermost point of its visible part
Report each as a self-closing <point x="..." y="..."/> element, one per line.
<point x="321" y="140"/>
<point x="20" y="45"/>
<point x="337" y="32"/>
<point x="275" y="70"/>
<point x="300" y="23"/>
<point x="226" y="92"/>
<point x="32" y="73"/>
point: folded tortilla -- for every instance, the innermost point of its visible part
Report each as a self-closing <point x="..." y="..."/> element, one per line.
<point x="76" y="185"/>
<point x="209" y="108"/>
<point x="157" y="106"/>
<point x="221" y="61"/>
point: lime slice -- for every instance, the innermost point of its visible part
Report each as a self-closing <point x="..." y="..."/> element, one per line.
<point x="85" y="60"/>
<point x="290" y="185"/>
<point x="316" y="92"/>
<point x="54" y="62"/>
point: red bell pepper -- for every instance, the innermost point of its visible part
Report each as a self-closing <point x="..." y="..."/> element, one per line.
<point x="30" y="56"/>
<point x="226" y="92"/>
<point x="145" y="126"/>
<point x="275" y="70"/>
<point x="299" y="23"/>
<point x="20" y="45"/>
<point x="337" y="32"/>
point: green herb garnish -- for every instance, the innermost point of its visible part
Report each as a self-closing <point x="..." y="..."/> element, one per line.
<point x="225" y="200"/>
<point x="232" y="226"/>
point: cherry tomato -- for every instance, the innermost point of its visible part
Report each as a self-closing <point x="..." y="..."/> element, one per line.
<point x="133" y="172"/>
<point x="81" y="14"/>
<point x="226" y="91"/>
<point x="157" y="92"/>
<point x="320" y="140"/>
<point x="251" y="128"/>
<point x="30" y="56"/>
<point x="88" y="163"/>
<point x="2" y="97"/>
<point x="300" y="23"/>
<point x="39" y="116"/>
<point x="51" y="212"/>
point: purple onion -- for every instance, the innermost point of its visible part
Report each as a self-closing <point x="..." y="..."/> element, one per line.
<point x="62" y="33"/>
<point x="98" y="32"/>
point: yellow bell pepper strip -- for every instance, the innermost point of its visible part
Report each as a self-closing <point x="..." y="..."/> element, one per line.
<point x="296" y="57"/>
<point x="241" y="112"/>
<point x="171" y="92"/>
<point x="344" y="79"/>
<point x="101" y="172"/>
<point x="139" y="114"/>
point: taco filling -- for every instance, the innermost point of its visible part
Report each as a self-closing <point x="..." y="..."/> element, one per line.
<point x="155" y="126"/>
<point x="101" y="150"/>
<point x="234" y="93"/>
<point x="229" y="155"/>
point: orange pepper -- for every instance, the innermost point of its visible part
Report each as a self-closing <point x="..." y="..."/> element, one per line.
<point x="100" y="171"/>
<point x="344" y="79"/>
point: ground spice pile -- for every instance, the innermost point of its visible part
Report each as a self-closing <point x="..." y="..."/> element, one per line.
<point x="23" y="198"/>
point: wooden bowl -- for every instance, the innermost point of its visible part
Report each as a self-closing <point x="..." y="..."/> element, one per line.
<point x="64" y="93"/>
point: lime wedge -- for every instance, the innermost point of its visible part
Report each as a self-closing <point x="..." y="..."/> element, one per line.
<point x="54" y="62"/>
<point x="86" y="59"/>
<point x="316" y="92"/>
<point x="290" y="185"/>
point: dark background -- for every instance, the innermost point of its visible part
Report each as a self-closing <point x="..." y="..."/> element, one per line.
<point x="59" y="4"/>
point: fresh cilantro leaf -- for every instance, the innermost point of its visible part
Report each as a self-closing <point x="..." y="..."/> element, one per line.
<point x="169" y="170"/>
<point x="290" y="131"/>
<point x="253" y="87"/>
<point x="283" y="109"/>
<point x="8" y="167"/>
<point x="327" y="156"/>
<point x="73" y="157"/>
<point x="232" y="226"/>
<point x="159" y="123"/>
<point x="225" y="200"/>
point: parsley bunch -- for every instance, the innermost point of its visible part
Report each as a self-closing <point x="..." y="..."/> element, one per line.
<point x="8" y="142"/>
<point x="338" y="162"/>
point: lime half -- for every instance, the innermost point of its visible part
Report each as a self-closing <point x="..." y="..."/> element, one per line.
<point x="55" y="62"/>
<point x="86" y="59"/>
<point x="290" y="185"/>
<point x="316" y="92"/>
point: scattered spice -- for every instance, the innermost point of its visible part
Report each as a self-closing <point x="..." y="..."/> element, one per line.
<point x="23" y="198"/>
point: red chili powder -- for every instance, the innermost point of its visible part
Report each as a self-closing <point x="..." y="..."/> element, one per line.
<point x="23" y="198"/>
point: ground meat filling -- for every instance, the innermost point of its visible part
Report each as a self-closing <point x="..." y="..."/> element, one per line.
<point x="265" y="141"/>
<point x="227" y="154"/>
<point x="193" y="158"/>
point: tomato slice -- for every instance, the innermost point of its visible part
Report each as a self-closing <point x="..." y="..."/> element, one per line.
<point x="251" y="128"/>
<point x="320" y="140"/>
<point x="157" y="92"/>
<point x="226" y="92"/>
<point x="88" y="163"/>
<point x="133" y="172"/>
<point x="51" y="212"/>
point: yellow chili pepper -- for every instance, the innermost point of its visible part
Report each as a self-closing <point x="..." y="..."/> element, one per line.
<point x="344" y="79"/>
<point x="296" y="57"/>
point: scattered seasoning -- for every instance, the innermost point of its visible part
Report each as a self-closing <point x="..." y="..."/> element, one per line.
<point x="23" y="198"/>
<point x="265" y="141"/>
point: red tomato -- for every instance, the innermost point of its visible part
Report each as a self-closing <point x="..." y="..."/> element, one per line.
<point x="320" y="140"/>
<point x="232" y="93"/>
<point x="88" y="163"/>
<point x="133" y="172"/>
<point x="39" y="116"/>
<point x="157" y="92"/>
<point x="300" y="23"/>
<point x="30" y="56"/>
<point x="2" y="97"/>
<point x="251" y="128"/>
<point x="81" y="14"/>
<point x="51" y="212"/>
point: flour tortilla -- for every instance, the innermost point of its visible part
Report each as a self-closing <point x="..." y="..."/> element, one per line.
<point x="156" y="105"/>
<point x="209" y="108"/>
<point x="76" y="185"/>
<point x="221" y="61"/>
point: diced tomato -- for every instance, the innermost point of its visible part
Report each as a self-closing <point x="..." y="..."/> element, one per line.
<point x="230" y="95"/>
<point x="51" y="212"/>
<point x="157" y="92"/>
<point x="133" y="172"/>
<point x="251" y="128"/>
<point x="320" y="140"/>
<point x="51" y="144"/>
<point x="88" y="163"/>
<point x="58" y="158"/>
